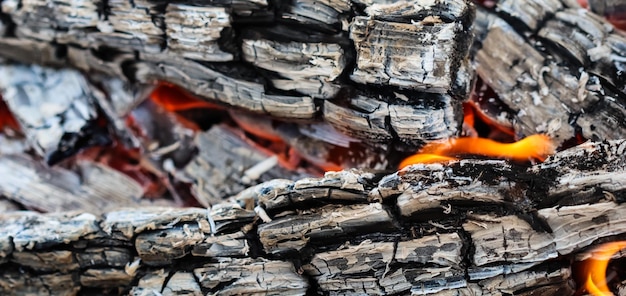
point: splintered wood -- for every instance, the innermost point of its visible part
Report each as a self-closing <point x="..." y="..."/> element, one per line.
<point x="93" y="188"/>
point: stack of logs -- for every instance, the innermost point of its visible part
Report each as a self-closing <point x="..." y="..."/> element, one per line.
<point x="389" y="74"/>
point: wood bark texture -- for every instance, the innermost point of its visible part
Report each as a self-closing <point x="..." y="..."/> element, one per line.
<point x="388" y="72"/>
<point x="558" y="68"/>
<point x="473" y="227"/>
<point x="383" y="72"/>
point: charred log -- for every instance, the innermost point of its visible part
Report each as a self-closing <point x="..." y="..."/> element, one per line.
<point x="557" y="67"/>
<point x="297" y="61"/>
<point x="470" y="227"/>
<point x="385" y="73"/>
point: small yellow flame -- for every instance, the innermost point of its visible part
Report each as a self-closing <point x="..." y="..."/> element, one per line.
<point x="535" y="147"/>
<point x="596" y="268"/>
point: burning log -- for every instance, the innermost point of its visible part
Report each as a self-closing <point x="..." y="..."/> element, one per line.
<point x="293" y="61"/>
<point x="391" y="77"/>
<point x="426" y="229"/>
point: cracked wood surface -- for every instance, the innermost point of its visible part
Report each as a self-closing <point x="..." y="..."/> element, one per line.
<point x="429" y="229"/>
<point x="91" y="187"/>
<point x="559" y="68"/>
<point x="389" y="74"/>
<point x="286" y="59"/>
<point x="417" y="231"/>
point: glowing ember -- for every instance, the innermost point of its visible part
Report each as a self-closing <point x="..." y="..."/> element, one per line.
<point x="535" y="147"/>
<point x="259" y="130"/>
<point x="258" y="126"/>
<point x="7" y="120"/>
<point x="595" y="268"/>
<point x="173" y="98"/>
<point x="618" y="20"/>
<point x="474" y="116"/>
<point x="129" y="162"/>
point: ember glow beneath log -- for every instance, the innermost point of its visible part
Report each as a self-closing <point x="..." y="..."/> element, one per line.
<point x="173" y="98"/>
<point x="317" y="146"/>
<point x="532" y="148"/>
<point x="8" y="123"/>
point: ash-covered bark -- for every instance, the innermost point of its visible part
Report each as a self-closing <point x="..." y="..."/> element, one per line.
<point x="473" y="227"/>
<point x="56" y="108"/>
<point x="558" y="67"/>
<point x="91" y="187"/>
<point x="226" y="164"/>
<point x="419" y="230"/>
<point x="286" y="59"/>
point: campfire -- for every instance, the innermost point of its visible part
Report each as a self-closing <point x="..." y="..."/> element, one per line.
<point x="443" y="147"/>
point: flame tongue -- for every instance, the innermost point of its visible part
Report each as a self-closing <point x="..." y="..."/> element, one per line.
<point x="535" y="147"/>
<point x="596" y="268"/>
<point x="425" y="158"/>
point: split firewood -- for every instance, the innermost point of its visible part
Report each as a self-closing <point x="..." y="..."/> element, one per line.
<point x="226" y="164"/>
<point x="472" y="227"/>
<point x="56" y="109"/>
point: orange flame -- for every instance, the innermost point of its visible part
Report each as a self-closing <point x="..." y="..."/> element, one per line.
<point x="595" y="267"/>
<point x="469" y="114"/>
<point x="535" y="147"/>
<point x="472" y="113"/>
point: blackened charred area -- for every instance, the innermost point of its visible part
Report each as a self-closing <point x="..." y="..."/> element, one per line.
<point x="7" y="27"/>
<point x="285" y="33"/>
<point x="237" y="70"/>
<point x="299" y="201"/>
<point x="91" y="135"/>
<point x="227" y="42"/>
<point x="205" y="118"/>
